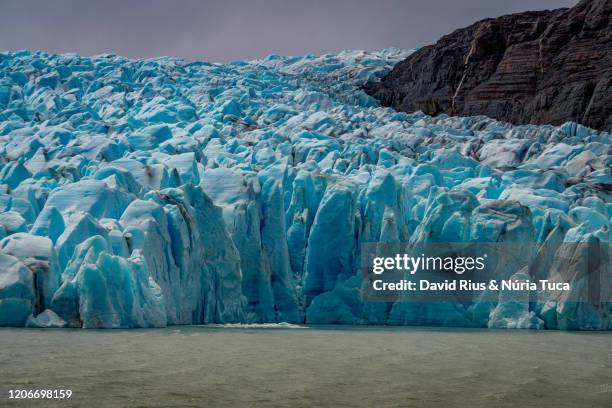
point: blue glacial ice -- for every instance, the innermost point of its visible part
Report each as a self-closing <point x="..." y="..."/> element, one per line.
<point x="146" y="193"/>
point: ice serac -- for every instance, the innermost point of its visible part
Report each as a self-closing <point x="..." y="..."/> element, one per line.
<point x="275" y="250"/>
<point x="38" y="255"/>
<point x="512" y="310"/>
<point x="238" y="194"/>
<point x="146" y="193"/>
<point x="331" y="255"/>
<point x="17" y="293"/>
<point x="115" y="292"/>
<point x="210" y="277"/>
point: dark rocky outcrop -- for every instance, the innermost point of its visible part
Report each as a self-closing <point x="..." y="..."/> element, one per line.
<point x="533" y="67"/>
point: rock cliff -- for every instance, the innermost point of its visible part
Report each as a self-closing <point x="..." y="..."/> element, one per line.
<point x="535" y="67"/>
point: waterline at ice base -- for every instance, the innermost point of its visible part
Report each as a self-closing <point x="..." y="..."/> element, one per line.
<point x="147" y="193"/>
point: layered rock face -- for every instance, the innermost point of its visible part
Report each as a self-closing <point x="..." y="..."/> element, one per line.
<point x="535" y="67"/>
<point x="146" y="193"/>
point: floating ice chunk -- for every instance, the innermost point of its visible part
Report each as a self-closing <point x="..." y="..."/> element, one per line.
<point x="46" y="319"/>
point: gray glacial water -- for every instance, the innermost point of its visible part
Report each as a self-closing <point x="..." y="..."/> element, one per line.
<point x="304" y="367"/>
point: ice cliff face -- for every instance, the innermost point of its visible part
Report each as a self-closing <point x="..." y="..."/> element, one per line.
<point x="142" y="193"/>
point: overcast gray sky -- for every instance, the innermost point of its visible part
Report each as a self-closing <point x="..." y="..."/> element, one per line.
<point x="225" y="30"/>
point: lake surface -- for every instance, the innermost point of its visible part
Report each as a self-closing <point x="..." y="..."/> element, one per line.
<point x="304" y="367"/>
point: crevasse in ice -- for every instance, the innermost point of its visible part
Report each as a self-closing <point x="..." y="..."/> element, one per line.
<point x="143" y="193"/>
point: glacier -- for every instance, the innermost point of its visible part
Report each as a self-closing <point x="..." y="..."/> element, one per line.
<point x="146" y="193"/>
